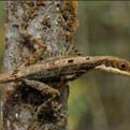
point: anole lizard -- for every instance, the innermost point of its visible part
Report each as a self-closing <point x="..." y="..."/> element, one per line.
<point x="67" y="68"/>
<point x="61" y="68"/>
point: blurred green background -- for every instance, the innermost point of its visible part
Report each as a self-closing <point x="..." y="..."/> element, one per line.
<point x="2" y="30"/>
<point x="98" y="101"/>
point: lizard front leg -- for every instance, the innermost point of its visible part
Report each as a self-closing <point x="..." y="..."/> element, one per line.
<point x="49" y="106"/>
<point x="42" y="87"/>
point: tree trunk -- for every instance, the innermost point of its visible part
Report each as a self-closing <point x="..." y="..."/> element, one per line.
<point x="35" y="31"/>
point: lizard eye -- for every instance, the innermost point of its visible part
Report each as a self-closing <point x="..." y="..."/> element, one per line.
<point x="123" y="66"/>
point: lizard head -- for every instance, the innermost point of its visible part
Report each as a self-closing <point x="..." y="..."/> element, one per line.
<point x="115" y="65"/>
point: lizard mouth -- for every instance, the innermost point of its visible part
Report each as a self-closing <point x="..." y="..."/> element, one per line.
<point x="112" y="70"/>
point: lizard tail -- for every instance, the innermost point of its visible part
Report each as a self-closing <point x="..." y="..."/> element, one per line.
<point x="5" y="78"/>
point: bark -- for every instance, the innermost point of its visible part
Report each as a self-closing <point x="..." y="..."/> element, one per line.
<point x="49" y="26"/>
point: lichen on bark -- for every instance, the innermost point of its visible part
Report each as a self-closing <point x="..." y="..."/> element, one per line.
<point x="53" y="23"/>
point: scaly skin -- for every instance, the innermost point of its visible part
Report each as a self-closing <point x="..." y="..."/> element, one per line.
<point x="67" y="68"/>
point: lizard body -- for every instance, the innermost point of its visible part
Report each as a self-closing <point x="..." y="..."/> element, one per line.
<point x="67" y="68"/>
